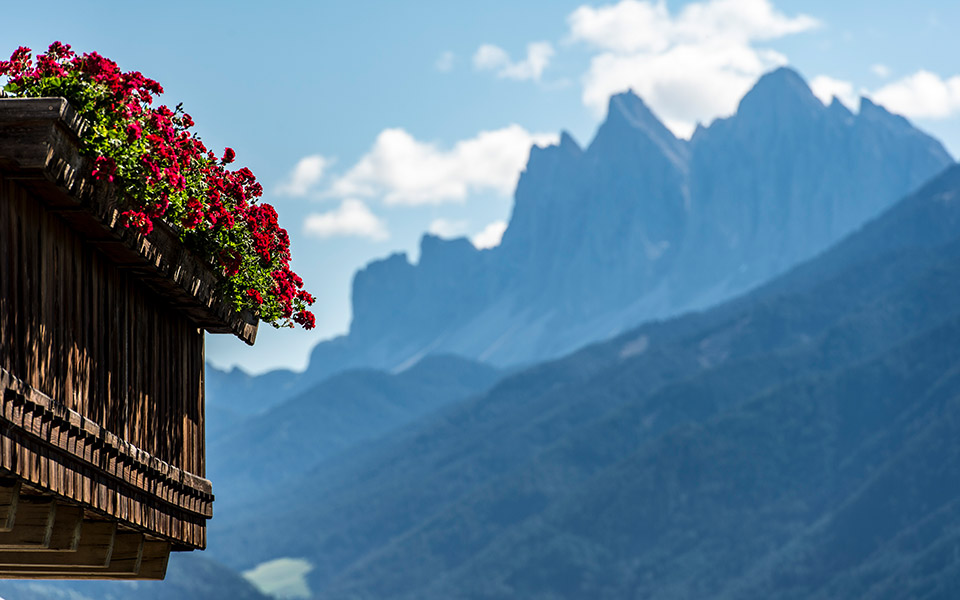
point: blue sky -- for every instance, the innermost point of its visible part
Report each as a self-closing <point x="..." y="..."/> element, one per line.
<point x="369" y="123"/>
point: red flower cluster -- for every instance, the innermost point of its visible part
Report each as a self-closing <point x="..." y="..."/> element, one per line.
<point x="167" y="173"/>
<point x="138" y="221"/>
<point x="104" y="167"/>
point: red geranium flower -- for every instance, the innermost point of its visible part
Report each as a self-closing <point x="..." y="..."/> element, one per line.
<point x="104" y="167"/>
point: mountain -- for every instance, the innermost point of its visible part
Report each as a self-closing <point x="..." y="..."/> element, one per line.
<point x="799" y="441"/>
<point x="639" y="225"/>
<point x="341" y="412"/>
<point x="233" y="396"/>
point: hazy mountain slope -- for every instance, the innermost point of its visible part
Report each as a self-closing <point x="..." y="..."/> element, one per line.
<point x="234" y="395"/>
<point x="437" y="498"/>
<point x="897" y="534"/>
<point x="689" y="515"/>
<point x="498" y="508"/>
<point x="343" y="411"/>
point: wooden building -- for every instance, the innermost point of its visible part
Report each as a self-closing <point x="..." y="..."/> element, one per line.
<point x="101" y="367"/>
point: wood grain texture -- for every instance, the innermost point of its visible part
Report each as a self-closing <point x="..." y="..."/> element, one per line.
<point x="33" y="527"/>
<point x="9" y="497"/>
<point x="94" y="551"/>
<point x="97" y="550"/>
<point x="75" y="459"/>
<point x="94" y="338"/>
<point x="66" y="528"/>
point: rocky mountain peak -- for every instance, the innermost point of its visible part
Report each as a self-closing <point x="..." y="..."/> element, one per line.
<point x="839" y="110"/>
<point x="779" y="97"/>
<point x="642" y="225"/>
<point x="630" y="124"/>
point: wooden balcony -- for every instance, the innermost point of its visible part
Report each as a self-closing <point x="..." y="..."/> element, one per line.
<point x="101" y="367"/>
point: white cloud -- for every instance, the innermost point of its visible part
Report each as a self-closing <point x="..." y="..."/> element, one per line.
<point x="635" y="25"/>
<point x="405" y="171"/>
<point x="683" y="85"/>
<point x="489" y="57"/>
<point x="882" y="71"/>
<point x="446" y="228"/>
<point x="826" y="88"/>
<point x="351" y="219"/>
<point x="629" y="26"/>
<point x="923" y="94"/>
<point x="282" y="577"/>
<point x="307" y="174"/>
<point x="689" y="67"/>
<point x="445" y="61"/>
<point x="493" y="58"/>
<point x="490" y="236"/>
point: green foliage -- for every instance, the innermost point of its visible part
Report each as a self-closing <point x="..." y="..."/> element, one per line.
<point x="165" y="172"/>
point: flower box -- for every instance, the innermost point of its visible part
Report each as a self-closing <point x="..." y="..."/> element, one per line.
<point x="38" y="148"/>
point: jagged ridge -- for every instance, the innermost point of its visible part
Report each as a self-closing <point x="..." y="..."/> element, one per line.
<point x="639" y="225"/>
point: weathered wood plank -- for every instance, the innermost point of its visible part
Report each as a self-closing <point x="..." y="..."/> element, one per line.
<point x="9" y="497"/>
<point x="94" y="550"/>
<point x="127" y="554"/>
<point x="151" y="564"/>
<point x="33" y="526"/>
<point x="155" y="556"/>
<point x="35" y="421"/>
<point x="182" y="521"/>
<point x="67" y="526"/>
<point x="124" y="562"/>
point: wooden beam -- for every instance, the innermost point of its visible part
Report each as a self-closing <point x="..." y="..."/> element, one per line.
<point x="155" y="556"/>
<point x="127" y="554"/>
<point x="33" y="526"/>
<point x="9" y="493"/>
<point x="66" y="529"/>
<point x="134" y="558"/>
<point x="124" y="561"/>
<point x="93" y="551"/>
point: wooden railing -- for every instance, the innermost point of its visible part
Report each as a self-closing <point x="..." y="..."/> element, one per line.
<point x="79" y="329"/>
